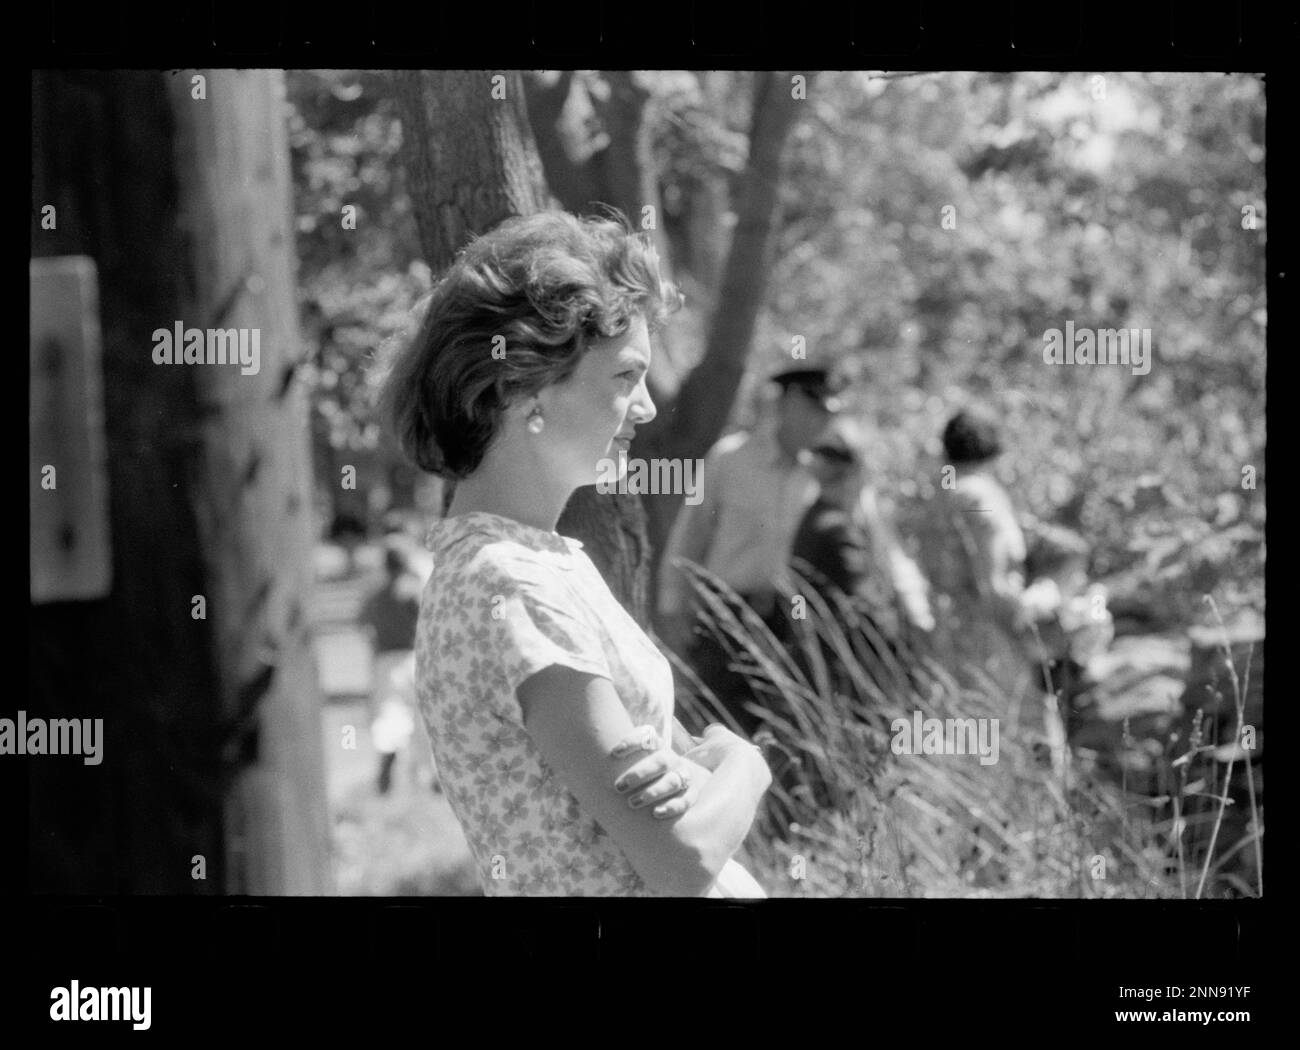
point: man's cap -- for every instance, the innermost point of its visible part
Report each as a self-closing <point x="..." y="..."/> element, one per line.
<point x="818" y="383"/>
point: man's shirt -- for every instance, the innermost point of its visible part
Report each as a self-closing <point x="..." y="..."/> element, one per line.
<point x="742" y="529"/>
<point x="835" y="547"/>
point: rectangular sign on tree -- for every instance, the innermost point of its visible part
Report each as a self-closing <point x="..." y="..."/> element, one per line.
<point x="71" y="559"/>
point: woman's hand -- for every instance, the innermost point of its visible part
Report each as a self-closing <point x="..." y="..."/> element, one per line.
<point x="667" y="782"/>
<point x="716" y="743"/>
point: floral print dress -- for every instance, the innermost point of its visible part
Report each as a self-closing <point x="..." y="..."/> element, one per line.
<point x="504" y="601"/>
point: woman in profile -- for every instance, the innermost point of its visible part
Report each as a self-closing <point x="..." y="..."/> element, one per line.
<point x="549" y="711"/>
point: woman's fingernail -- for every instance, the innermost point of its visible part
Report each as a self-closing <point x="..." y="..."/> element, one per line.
<point x="620" y="785"/>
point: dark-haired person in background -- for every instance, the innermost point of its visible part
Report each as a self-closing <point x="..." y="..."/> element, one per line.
<point x="389" y="615"/>
<point x="973" y="550"/>
<point x="982" y="518"/>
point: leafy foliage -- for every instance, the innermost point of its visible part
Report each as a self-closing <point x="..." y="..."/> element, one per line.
<point x="1122" y="211"/>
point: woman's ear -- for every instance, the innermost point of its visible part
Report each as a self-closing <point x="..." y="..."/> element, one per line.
<point x="516" y="414"/>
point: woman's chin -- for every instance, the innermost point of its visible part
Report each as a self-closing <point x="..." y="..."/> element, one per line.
<point x="611" y="469"/>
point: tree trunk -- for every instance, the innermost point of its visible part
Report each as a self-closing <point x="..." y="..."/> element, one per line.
<point x="470" y="158"/>
<point x="708" y="200"/>
<point x="472" y="162"/>
<point x="101" y="145"/>
<point x="211" y="776"/>
<point x="705" y="400"/>
<point x="626" y="167"/>
<point x="252" y="489"/>
<point x="562" y="139"/>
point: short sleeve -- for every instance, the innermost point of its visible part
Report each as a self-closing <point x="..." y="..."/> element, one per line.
<point x="536" y="622"/>
<point x="992" y="537"/>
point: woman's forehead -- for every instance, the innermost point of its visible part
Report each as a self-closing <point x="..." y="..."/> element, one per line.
<point x="632" y="344"/>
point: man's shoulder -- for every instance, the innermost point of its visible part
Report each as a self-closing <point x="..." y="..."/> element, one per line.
<point x="741" y="445"/>
<point x="978" y="484"/>
<point x="978" y="492"/>
<point x="730" y="444"/>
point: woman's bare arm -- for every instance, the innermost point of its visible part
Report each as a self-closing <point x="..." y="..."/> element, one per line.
<point x="682" y="739"/>
<point x="577" y="719"/>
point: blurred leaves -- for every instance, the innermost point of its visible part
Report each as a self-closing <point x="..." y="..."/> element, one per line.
<point x="357" y="286"/>
<point x="1118" y="212"/>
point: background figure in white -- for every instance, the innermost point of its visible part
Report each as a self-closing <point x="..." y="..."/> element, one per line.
<point x="389" y="615"/>
<point x="991" y="619"/>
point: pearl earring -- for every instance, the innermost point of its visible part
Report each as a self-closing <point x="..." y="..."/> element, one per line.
<point x="535" y="423"/>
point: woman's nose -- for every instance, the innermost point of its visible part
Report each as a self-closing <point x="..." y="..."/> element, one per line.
<point x="643" y="408"/>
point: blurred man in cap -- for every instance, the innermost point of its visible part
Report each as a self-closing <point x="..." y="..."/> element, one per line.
<point x="847" y="539"/>
<point x="756" y="490"/>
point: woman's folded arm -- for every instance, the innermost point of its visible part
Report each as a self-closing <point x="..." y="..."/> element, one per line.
<point x="576" y="719"/>
<point x="721" y="818"/>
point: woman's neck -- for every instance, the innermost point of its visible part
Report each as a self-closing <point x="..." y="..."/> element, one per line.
<point x="512" y="498"/>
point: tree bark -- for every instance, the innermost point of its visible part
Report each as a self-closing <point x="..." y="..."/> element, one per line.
<point x="252" y="490"/>
<point x="470" y="158"/>
<point x="707" y="396"/>
<point x="562" y="141"/>
<point x="134" y="658"/>
<point x="626" y="167"/>
<point x="709" y="200"/>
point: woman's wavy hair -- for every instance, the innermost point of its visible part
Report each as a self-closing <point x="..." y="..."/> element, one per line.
<point x="513" y="314"/>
